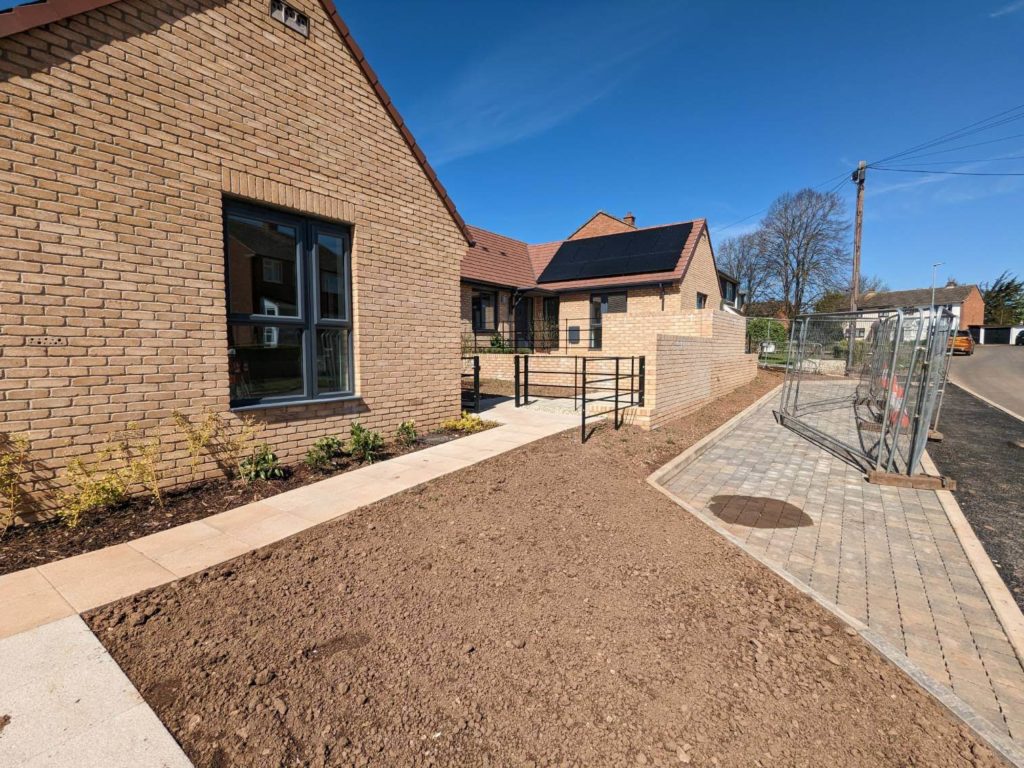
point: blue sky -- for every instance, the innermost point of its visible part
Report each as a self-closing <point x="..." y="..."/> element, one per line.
<point x="536" y="114"/>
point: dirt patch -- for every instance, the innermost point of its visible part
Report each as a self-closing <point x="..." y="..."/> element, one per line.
<point x="27" y="546"/>
<point x="546" y="607"/>
<point x="4" y="722"/>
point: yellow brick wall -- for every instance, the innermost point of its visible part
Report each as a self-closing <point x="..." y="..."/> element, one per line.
<point x="120" y="131"/>
<point x="689" y="361"/>
<point x="701" y="277"/>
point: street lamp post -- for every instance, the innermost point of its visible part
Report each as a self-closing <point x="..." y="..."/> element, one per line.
<point x="935" y="266"/>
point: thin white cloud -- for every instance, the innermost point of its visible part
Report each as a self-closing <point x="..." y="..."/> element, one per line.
<point x="1013" y="7"/>
<point x="537" y="79"/>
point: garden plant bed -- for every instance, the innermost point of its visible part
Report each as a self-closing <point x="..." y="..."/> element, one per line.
<point x="26" y="546"/>
<point x="545" y="607"/>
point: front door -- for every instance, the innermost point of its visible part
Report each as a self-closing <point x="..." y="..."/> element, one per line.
<point x="550" y="330"/>
<point x="524" y="322"/>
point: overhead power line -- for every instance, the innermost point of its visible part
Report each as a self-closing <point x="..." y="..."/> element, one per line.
<point x="945" y="173"/>
<point x="993" y="121"/>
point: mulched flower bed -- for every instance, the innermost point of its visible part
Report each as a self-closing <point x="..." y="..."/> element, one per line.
<point x="27" y="546"/>
<point x="546" y="607"/>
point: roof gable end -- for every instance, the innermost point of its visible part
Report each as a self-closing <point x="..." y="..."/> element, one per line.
<point x="25" y="17"/>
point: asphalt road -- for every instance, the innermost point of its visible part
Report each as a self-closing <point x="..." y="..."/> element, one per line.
<point x="995" y="372"/>
<point x="980" y="451"/>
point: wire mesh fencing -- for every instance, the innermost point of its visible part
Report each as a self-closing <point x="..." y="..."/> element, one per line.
<point x="865" y="384"/>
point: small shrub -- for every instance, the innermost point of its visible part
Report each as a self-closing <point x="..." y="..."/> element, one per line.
<point x="324" y="453"/>
<point x="234" y="444"/>
<point x="365" y="444"/>
<point x="123" y="462"/>
<point x="406" y="434"/>
<point x="13" y="462"/>
<point x="467" y="423"/>
<point x="261" y="464"/>
<point x="198" y="437"/>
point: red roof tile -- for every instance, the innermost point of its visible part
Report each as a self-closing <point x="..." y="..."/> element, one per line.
<point x="497" y="260"/>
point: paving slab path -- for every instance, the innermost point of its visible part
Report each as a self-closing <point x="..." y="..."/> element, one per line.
<point x="65" y="701"/>
<point x="889" y="557"/>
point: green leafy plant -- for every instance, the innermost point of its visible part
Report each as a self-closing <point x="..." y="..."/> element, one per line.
<point x="324" y="453"/>
<point x="198" y="437"/>
<point x="106" y="480"/>
<point x="365" y="444"/>
<point x="13" y="463"/>
<point x="261" y="464"/>
<point x="467" y="423"/>
<point x="406" y="434"/>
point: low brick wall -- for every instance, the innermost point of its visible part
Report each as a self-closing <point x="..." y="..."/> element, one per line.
<point x="690" y="360"/>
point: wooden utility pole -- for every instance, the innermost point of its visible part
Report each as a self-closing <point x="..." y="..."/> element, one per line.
<point x="858" y="178"/>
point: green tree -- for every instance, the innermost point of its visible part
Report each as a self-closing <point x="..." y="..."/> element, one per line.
<point x="833" y="301"/>
<point x="1004" y="300"/>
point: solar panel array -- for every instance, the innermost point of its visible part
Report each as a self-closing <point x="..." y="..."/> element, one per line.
<point x="626" y="253"/>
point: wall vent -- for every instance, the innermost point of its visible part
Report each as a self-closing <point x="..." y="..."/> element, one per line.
<point x="290" y="17"/>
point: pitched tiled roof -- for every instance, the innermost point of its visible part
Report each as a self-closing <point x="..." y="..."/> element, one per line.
<point x="25" y="17"/>
<point x="494" y="261"/>
<point x="498" y="260"/>
<point x="917" y="297"/>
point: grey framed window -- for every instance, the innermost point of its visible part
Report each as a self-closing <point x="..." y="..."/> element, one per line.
<point x="702" y="300"/>
<point x="289" y="299"/>
<point x="485" y="311"/>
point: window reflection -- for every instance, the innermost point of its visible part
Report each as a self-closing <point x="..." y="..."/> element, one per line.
<point x="262" y="268"/>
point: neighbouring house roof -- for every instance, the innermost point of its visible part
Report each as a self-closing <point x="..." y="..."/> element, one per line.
<point x="498" y="260"/>
<point x="35" y="14"/>
<point x="485" y="261"/>
<point x="917" y="297"/>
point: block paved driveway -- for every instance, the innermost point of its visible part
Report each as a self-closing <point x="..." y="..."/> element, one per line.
<point x="887" y="556"/>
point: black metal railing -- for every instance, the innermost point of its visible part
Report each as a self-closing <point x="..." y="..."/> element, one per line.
<point x="506" y="338"/>
<point x="471" y="383"/>
<point x="618" y="382"/>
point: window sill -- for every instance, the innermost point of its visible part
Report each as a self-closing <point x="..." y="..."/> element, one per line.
<point x="291" y="403"/>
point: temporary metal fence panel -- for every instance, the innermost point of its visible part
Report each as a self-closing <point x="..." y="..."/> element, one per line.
<point x="866" y="384"/>
<point x="598" y="386"/>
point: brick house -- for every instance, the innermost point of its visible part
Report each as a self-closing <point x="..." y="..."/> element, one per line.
<point x="213" y="205"/>
<point x="554" y="296"/>
<point x="964" y="301"/>
<point x="610" y="288"/>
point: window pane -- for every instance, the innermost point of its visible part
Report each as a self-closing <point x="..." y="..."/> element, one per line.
<point x="484" y="311"/>
<point x="331" y="280"/>
<point x="264" y="361"/>
<point x="333" y="373"/>
<point x="262" y="267"/>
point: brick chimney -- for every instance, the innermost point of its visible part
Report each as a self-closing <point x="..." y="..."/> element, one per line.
<point x="630" y="219"/>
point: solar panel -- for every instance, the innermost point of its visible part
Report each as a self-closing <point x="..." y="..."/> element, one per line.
<point x="626" y="253"/>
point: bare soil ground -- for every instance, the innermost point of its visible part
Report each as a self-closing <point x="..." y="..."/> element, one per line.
<point x="543" y="608"/>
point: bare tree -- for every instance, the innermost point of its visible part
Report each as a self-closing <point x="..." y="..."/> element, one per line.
<point x="804" y="238"/>
<point x="743" y="258"/>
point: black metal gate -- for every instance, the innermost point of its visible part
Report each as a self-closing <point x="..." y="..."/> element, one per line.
<point x="608" y="385"/>
<point x="471" y="383"/>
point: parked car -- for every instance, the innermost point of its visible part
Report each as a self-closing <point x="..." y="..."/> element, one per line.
<point x="1020" y="339"/>
<point x="963" y="343"/>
